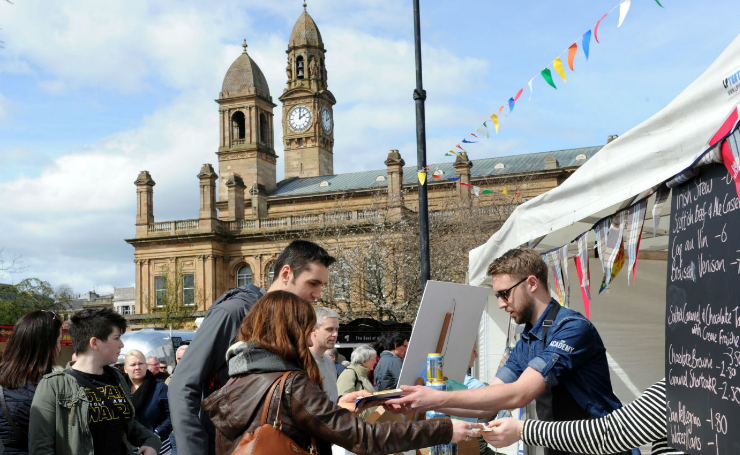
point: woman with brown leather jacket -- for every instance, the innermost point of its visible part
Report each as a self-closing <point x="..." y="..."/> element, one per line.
<point x="274" y="338"/>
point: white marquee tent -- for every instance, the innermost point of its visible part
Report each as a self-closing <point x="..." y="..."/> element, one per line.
<point x="630" y="319"/>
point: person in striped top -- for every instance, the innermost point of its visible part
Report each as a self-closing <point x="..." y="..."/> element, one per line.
<point x="641" y="422"/>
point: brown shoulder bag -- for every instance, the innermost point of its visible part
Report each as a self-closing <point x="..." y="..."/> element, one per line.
<point x="268" y="439"/>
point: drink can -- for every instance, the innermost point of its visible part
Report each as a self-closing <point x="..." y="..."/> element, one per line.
<point x="452" y="448"/>
<point x="434" y="366"/>
<point x="434" y="415"/>
<point x="437" y="384"/>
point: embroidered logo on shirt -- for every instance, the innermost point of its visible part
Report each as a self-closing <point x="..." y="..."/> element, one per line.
<point x="561" y="345"/>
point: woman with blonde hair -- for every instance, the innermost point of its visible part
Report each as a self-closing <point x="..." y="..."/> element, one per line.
<point x="149" y="397"/>
<point x="274" y="339"/>
<point x="354" y="377"/>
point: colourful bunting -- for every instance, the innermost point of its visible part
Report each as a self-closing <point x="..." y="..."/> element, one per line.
<point x="454" y="179"/>
<point x="558" y="65"/>
<point x="436" y="177"/>
<point x="511" y="105"/>
<point x="454" y="153"/>
<point x="547" y="75"/>
<point x="596" y="29"/>
<point x="494" y="117"/>
<point x="505" y="191"/>
<point x="586" y="41"/>
<point x="487" y="191"/>
<point x="422" y="177"/>
<point x="483" y="132"/>
<point x="466" y="184"/>
<point x="656" y="1"/>
<point x="624" y="6"/>
<point x="517" y="194"/>
<point x="458" y="146"/>
<point x="449" y="154"/>
<point x="518" y="94"/>
<point x="465" y="141"/>
<point x="476" y="190"/>
<point x="500" y="109"/>
<point x="618" y="264"/>
<point x="572" y="55"/>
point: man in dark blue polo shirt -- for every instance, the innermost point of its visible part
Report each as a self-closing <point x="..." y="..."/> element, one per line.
<point x="560" y="360"/>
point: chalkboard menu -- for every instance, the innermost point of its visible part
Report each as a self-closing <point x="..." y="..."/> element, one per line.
<point x="703" y="316"/>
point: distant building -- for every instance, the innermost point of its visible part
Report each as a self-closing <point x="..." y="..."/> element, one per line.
<point x="123" y="300"/>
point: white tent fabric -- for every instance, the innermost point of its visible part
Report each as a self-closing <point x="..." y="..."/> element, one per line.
<point x="645" y="156"/>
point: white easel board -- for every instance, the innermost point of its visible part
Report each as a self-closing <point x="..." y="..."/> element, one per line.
<point x="466" y="303"/>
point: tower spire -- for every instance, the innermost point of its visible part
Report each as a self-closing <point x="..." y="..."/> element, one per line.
<point x="245" y="45"/>
<point x="304" y="5"/>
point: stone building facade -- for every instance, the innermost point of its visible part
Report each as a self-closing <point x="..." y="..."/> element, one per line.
<point x="246" y="217"/>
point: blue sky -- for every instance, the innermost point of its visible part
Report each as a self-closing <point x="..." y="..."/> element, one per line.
<point x="93" y="92"/>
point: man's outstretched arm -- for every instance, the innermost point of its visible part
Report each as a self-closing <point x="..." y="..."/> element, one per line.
<point x="474" y="403"/>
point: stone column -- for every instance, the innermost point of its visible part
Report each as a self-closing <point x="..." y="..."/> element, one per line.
<point x="395" y="164"/>
<point x="259" y="201"/>
<point x="137" y="285"/>
<point x="208" y="212"/>
<point x="462" y="169"/>
<point x="144" y="203"/>
<point x="235" y="187"/>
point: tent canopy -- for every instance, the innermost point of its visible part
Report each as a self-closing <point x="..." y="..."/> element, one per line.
<point x="644" y="157"/>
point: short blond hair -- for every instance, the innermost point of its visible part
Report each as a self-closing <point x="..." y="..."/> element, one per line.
<point x="520" y="262"/>
<point x="135" y="353"/>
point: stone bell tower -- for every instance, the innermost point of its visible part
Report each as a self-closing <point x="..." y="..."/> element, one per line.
<point x="246" y="132"/>
<point x="308" y="117"/>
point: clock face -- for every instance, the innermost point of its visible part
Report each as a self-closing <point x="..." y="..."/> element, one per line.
<point x="299" y="118"/>
<point x="326" y="122"/>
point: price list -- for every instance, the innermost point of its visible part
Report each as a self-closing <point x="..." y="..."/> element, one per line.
<point x="703" y="316"/>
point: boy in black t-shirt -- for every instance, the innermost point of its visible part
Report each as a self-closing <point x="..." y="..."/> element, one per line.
<point x="87" y="409"/>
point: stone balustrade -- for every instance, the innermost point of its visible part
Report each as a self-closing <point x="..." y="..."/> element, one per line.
<point x="180" y="227"/>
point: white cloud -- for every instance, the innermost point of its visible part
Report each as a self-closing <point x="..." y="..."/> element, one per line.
<point x="5" y="107"/>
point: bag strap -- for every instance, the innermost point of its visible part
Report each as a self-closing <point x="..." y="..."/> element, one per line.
<point x="278" y="423"/>
<point x="547" y="323"/>
<point x="18" y="432"/>
<point x="266" y="406"/>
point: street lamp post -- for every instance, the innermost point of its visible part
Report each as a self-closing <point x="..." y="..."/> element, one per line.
<point x="421" y="154"/>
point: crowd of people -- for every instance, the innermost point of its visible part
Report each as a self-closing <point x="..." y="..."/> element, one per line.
<point x="267" y="355"/>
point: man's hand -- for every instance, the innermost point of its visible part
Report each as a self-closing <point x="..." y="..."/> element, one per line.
<point x="347" y="401"/>
<point x="505" y="432"/>
<point x="421" y="399"/>
<point x="146" y="450"/>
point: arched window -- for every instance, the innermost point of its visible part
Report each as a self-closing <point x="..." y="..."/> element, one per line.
<point x="244" y="276"/>
<point x="270" y="274"/>
<point x="264" y="128"/>
<point x="237" y="126"/>
<point x="299" y="66"/>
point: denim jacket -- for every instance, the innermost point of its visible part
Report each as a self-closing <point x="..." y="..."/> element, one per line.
<point x="59" y="416"/>
<point x="574" y="356"/>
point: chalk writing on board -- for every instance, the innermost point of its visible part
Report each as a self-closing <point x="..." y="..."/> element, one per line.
<point x="703" y="316"/>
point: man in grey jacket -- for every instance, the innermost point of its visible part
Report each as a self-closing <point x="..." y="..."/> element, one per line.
<point x="302" y="268"/>
<point x="391" y="360"/>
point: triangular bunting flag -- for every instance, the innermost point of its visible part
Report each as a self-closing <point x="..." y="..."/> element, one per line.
<point x="624" y="6"/>
<point x="656" y="1"/>
<point x="465" y="141"/>
<point x="465" y="184"/>
<point x="633" y="234"/>
<point x="547" y="75"/>
<point x="586" y="41"/>
<point x="500" y="109"/>
<point x="494" y="117"/>
<point x="476" y="190"/>
<point x="458" y="146"/>
<point x="572" y="50"/>
<point x="487" y="191"/>
<point x="616" y="268"/>
<point x="483" y="132"/>
<point x="422" y="177"/>
<point x="505" y="191"/>
<point x="449" y="154"/>
<point x="613" y="245"/>
<point x="511" y="104"/>
<point x="596" y="29"/>
<point x="454" y="179"/>
<point x="518" y="94"/>
<point x="584" y="274"/>
<point x="558" y="65"/>
<point x="564" y="268"/>
<point x="530" y="88"/>
<point x="435" y="176"/>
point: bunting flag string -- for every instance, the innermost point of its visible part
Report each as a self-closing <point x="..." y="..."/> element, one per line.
<point x="557" y="64"/>
<point x="633" y="234"/>
<point x="564" y="268"/>
<point x="584" y="273"/>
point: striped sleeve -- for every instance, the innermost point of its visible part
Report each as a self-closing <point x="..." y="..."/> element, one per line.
<point x="641" y="422"/>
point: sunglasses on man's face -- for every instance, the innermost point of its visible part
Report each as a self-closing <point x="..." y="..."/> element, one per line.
<point x="504" y="295"/>
<point x="162" y="368"/>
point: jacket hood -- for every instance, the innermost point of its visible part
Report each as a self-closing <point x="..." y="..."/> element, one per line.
<point x="388" y="354"/>
<point x="244" y="358"/>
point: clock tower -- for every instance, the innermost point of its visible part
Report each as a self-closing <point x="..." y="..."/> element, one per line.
<point x="308" y="117"/>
